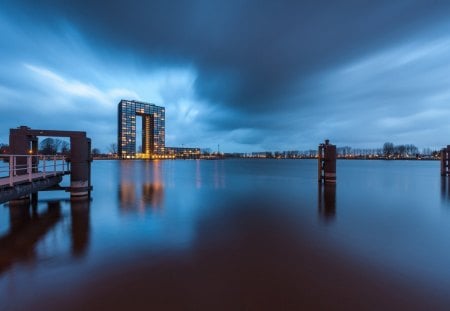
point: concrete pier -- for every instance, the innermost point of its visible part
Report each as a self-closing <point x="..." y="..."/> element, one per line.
<point x="24" y="141"/>
<point x="25" y="189"/>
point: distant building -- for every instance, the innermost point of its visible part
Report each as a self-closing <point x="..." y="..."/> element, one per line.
<point x="153" y="129"/>
<point x="183" y="152"/>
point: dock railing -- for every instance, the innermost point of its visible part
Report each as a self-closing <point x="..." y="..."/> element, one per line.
<point x="32" y="166"/>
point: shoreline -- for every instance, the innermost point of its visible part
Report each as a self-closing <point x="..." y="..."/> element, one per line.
<point x="259" y="158"/>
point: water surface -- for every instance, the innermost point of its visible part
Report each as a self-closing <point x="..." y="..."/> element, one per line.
<point x="233" y="235"/>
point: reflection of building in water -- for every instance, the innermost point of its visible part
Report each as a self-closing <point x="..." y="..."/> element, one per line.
<point x="198" y="175"/>
<point x="183" y="152"/>
<point x="27" y="229"/>
<point x="127" y="195"/>
<point x="219" y="175"/>
<point x="153" y="194"/>
<point x="150" y="192"/>
<point x="327" y="201"/>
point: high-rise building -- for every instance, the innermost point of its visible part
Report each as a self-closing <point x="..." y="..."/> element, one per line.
<point x="153" y="128"/>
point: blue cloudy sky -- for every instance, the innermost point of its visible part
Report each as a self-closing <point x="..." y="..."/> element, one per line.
<point x="248" y="75"/>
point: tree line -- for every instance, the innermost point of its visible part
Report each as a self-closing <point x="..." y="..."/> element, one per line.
<point x="387" y="150"/>
<point x="53" y="146"/>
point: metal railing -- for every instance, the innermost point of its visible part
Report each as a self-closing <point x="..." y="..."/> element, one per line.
<point x="32" y="166"/>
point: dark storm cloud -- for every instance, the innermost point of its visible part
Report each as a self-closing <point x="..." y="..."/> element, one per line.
<point x="249" y="54"/>
<point x="248" y="75"/>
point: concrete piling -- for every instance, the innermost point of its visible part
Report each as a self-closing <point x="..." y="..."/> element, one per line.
<point x="445" y="161"/>
<point x="327" y="162"/>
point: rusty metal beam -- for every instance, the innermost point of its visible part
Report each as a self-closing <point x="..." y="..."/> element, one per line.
<point x="23" y="130"/>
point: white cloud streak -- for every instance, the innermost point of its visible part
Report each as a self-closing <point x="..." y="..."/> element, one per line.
<point x="55" y="82"/>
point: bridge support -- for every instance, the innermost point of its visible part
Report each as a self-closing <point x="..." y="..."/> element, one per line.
<point x="80" y="158"/>
<point x="23" y="140"/>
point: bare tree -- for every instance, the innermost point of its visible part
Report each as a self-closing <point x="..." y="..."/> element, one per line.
<point x="411" y="149"/>
<point x="112" y="148"/>
<point x="57" y="143"/>
<point x="401" y="150"/>
<point x="48" y="146"/>
<point x="95" y="152"/>
<point x="65" y="147"/>
<point x="388" y="149"/>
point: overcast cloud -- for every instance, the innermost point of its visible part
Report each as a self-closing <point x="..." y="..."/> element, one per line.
<point x="248" y="75"/>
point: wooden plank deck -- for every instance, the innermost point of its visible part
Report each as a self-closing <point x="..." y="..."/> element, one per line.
<point x="19" y="179"/>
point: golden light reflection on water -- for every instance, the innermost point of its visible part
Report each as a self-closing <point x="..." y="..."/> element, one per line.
<point x="261" y="234"/>
<point x="198" y="175"/>
<point x="153" y="194"/>
<point x="219" y="175"/>
<point x="127" y="194"/>
<point x="139" y="189"/>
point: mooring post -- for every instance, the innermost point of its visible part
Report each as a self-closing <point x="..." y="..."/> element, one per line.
<point x="320" y="163"/>
<point x="445" y="153"/>
<point x="327" y="162"/>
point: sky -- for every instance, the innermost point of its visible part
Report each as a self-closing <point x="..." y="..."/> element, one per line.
<point x="246" y="75"/>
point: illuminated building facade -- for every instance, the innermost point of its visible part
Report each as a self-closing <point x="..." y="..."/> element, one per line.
<point x="188" y="153"/>
<point x="153" y="129"/>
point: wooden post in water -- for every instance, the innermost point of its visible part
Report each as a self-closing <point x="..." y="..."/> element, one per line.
<point x="327" y="162"/>
<point x="445" y="161"/>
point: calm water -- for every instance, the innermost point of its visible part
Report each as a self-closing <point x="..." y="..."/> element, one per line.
<point x="233" y="235"/>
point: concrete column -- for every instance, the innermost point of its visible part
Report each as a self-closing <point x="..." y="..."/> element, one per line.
<point x="327" y="162"/>
<point x="80" y="158"/>
<point x="445" y="161"/>
<point x="19" y="144"/>
<point x="34" y="151"/>
<point x="330" y="163"/>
